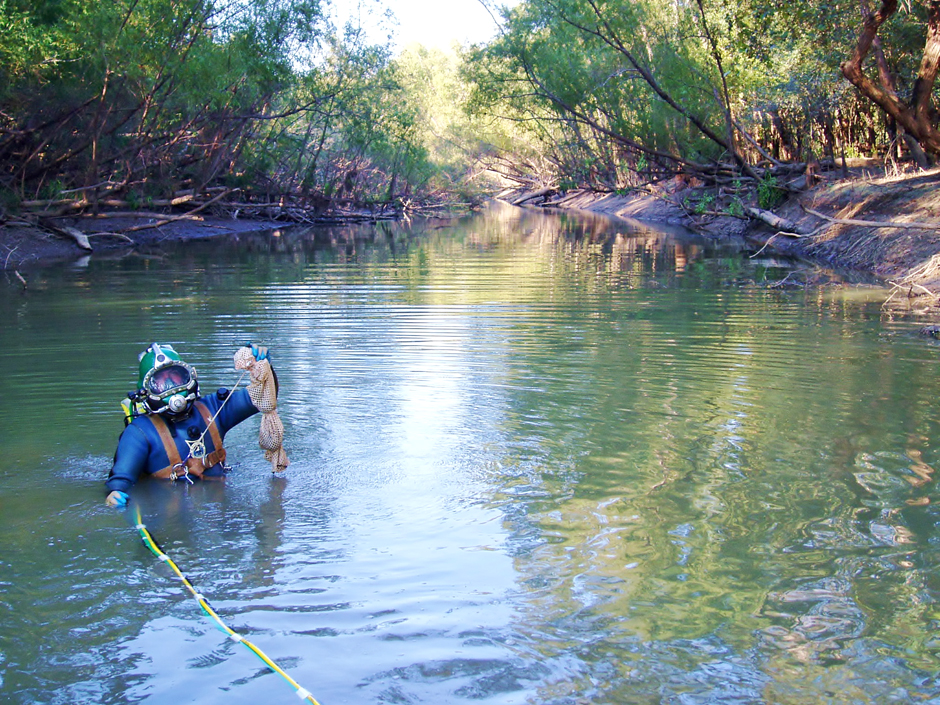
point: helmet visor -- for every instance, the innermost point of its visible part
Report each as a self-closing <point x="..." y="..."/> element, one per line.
<point x="169" y="379"/>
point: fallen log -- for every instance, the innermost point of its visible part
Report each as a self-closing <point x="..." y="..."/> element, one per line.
<point x="50" y="202"/>
<point x="191" y="215"/>
<point x="59" y="207"/>
<point x="532" y="195"/>
<point x="144" y="214"/>
<point x="785" y="226"/>
<point x="74" y="234"/>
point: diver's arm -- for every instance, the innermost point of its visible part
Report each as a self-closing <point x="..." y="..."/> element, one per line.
<point x="238" y="407"/>
<point x="130" y="460"/>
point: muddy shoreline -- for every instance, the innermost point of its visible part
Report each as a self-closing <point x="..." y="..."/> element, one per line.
<point x="24" y="247"/>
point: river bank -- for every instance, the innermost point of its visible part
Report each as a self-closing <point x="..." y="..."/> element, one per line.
<point x="23" y="246"/>
<point x="885" y="226"/>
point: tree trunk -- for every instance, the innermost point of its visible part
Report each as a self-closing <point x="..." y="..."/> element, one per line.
<point x="913" y="117"/>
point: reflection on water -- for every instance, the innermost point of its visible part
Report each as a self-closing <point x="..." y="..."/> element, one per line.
<point x="536" y="458"/>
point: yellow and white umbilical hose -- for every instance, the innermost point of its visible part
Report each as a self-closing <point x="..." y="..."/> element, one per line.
<point x="155" y="549"/>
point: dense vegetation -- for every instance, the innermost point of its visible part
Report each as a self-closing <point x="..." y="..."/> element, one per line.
<point x="614" y="93"/>
<point x="150" y="103"/>
<point x="143" y="104"/>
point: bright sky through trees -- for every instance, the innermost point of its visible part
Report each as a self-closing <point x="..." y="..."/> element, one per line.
<point x="433" y="23"/>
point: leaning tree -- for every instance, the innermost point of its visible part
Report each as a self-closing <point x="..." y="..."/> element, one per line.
<point x="915" y="114"/>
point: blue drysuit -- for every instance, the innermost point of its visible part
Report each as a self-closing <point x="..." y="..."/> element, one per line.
<point x="141" y="451"/>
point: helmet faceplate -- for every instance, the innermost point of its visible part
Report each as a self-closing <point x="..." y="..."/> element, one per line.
<point x="168" y="384"/>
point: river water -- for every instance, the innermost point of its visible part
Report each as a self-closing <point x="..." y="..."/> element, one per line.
<point x="535" y="459"/>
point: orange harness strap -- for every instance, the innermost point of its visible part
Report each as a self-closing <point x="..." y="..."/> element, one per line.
<point x="213" y="430"/>
<point x="192" y="466"/>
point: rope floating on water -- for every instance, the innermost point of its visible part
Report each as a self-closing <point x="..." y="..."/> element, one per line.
<point x="155" y="549"/>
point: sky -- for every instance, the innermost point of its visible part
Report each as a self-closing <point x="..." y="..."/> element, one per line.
<point x="434" y="23"/>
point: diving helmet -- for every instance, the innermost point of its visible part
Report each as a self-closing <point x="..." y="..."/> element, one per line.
<point x="167" y="384"/>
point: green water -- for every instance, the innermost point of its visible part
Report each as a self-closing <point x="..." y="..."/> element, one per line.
<point x="535" y="459"/>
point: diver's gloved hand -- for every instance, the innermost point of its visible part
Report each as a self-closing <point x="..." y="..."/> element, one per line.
<point x="259" y="351"/>
<point x="117" y="499"/>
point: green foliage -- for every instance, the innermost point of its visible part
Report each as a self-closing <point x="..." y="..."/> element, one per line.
<point x="267" y="95"/>
<point x="51" y="190"/>
<point x="170" y="81"/>
<point x="24" y="43"/>
<point x="658" y="80"/>
<point x="769" y="194"/>
<point x="704" y="203"/>
<point x="187" y="92"/>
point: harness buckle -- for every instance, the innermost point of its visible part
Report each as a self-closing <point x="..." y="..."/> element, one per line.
<point x="174" y="475"/>
<point x="197" y="448"/>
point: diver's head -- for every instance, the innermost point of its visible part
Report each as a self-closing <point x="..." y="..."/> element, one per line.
<point x="167" y="384"/>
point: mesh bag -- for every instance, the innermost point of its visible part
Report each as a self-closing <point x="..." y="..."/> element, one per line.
<point x="263" y="393"/>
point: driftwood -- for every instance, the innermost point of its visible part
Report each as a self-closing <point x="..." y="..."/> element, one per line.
<point x="144" y="214"/>
<point x="292" y="208"/>
<point x="71" y="204"/>
<point x="53" y="208"/>
<point x="122" y="236"/>
<point x="191" y="215"/>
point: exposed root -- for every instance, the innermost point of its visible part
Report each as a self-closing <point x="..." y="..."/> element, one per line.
<point x="766" y="245"/>
<point x="111" y="234"/>
<point x="928" y="270"/>
<point x="909" y="283"/>
<point x="874" y="223"/>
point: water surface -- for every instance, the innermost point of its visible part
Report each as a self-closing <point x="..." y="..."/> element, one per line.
<point x="535" y="459"/>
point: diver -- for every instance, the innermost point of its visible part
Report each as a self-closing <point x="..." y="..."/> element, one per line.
<point x="171" y="432"/>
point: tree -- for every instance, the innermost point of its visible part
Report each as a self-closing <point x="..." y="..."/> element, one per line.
<point x="621" y="91"/>
<point x="134" y="101"/>
<point x="916" y="115"/>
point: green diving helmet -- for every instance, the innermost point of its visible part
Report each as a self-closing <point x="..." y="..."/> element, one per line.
<point x="167" y="384"/>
